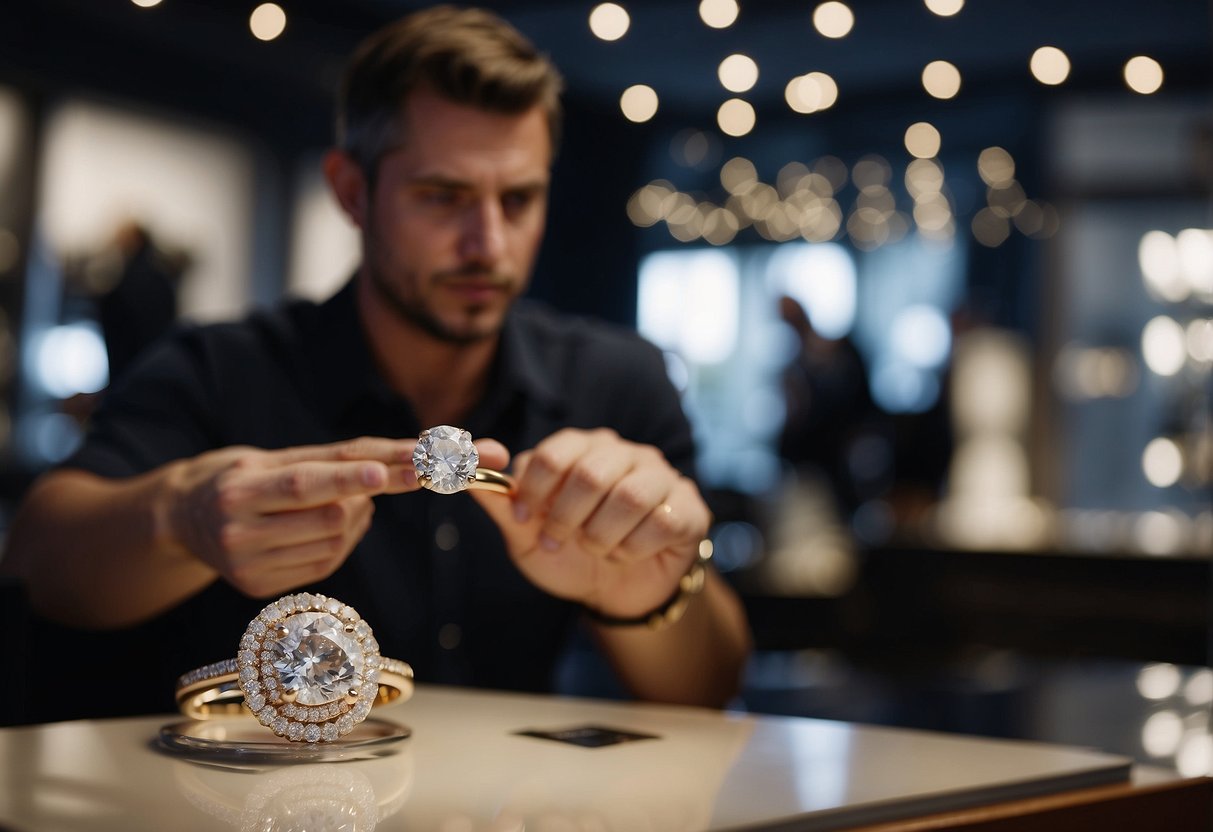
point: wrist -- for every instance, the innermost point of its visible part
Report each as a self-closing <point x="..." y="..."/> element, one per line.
<point x="671" y="611"/>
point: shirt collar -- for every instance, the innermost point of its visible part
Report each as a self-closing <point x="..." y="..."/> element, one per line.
<point x="346" y="373"/>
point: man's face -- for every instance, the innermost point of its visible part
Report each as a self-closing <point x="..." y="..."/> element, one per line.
<point x="456" y="215"/>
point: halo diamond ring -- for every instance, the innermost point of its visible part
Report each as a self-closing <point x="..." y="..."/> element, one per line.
<point x="446" y="461"/>
<point x="308" y="668"/>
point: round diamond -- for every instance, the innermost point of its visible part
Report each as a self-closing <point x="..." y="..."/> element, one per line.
<point x="447" y="458"/>
<point x="312" y="733"/>
<point x="316" y="658"/>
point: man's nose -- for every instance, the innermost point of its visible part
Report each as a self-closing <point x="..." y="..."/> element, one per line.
<point x="483" y="237"/>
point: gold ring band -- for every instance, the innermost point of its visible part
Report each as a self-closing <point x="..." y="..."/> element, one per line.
<point x="214" y="691"/>
<point x="308" y="668"/>
<point x="489" y="480"/>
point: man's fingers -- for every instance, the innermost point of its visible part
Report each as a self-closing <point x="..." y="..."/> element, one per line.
<point x="288" y="528"/>
<point x="366" y="448"/>
<point x="546" y="466"/>
<point x="628" y="505"/>
<point x="596" y="474"/>
<point x="306" y="484"/>
<point x="682" y="519"/>
<point x="492" y="454"/>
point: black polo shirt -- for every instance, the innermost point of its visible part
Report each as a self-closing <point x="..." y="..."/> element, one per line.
<point x="432" y="575"/>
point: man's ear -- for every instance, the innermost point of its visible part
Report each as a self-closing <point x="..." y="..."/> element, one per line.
<point x="348" y="184"/>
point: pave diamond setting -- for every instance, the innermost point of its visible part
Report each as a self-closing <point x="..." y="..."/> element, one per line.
<point x="445" y="459"/>
<point x="309" y="668"/>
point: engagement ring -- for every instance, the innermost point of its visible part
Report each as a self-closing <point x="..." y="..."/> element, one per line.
<point x="308" y="668"/>
<point x="446" y="461"/>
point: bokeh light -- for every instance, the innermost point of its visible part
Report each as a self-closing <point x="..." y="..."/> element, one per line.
<point x="1050" y="65"/>
<point x="941" y="79"/>
<point x="1143" y="74"/>
<point x="267" y="21"/>
<point x="639" y="103"/>
<point x="944" y="8"/>
<point x="735" y="117"/>
<point x="738" y="73"/>
<point x="833" y="19"/>
<point x="719" y="14"/>
<point x="609" y="21"/>
<point x="922" y="140"/>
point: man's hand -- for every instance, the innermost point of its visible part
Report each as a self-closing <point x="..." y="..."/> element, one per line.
<point x="271" y="521"/>
<point x="600" y="520"/>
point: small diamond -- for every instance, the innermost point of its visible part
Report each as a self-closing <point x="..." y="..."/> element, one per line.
<point x="266" y="716"/>
<point x="294" y="731"/>
<point x="252" y="687"/>
<point x="256" y="626"/>
<point x="280" y="726"/>
<point x="332" y="605"/>
<point x="256" y="702"/>
<point x="362" y="629"/>
<point x="312" y="733"/>
<point x="348" y="613"/>
<point x="362" y="709"/>
<point x="447" y="458"/>
<point x="329" y="732"/>
<point x="345" y="724"/>
<point x="246" y="657"/>
<point x="248" y="674"/>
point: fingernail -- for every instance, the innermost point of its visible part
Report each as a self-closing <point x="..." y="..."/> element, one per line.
<point x="549" y="543"/>
<point x="521" y="512"/>
<point x="373" y="476"/>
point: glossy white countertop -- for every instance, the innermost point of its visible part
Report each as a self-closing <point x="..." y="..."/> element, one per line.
<point x="465" y="768"/>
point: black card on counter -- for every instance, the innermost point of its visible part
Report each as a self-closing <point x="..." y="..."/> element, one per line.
<point x="587" y="736"/>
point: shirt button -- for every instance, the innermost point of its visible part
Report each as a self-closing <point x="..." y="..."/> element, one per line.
<point x="449" y="636"/>
<point x="446" y="536"/>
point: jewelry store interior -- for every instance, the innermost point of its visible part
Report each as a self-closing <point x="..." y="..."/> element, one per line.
<point x="933" y="279"/>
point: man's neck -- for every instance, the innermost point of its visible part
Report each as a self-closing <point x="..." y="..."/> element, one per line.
<point x="442" y="380"/>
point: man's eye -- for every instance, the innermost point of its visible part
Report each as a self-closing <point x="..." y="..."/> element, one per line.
<point x="439" y="197"/>
<point x="517" y="200"/>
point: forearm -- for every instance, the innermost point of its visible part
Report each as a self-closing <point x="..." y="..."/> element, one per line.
<point x="697" y="661"/>
<point x="95" y="552"/>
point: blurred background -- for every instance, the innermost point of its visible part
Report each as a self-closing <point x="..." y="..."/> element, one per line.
<point x="935" y="279"/>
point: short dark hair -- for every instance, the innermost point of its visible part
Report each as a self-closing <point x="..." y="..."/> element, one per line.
<point x="469" y="56"/>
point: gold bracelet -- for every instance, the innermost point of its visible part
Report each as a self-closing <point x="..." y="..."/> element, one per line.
<point x="674" y="608"/>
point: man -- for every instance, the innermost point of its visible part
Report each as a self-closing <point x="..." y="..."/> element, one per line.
<point x="243" y="461"/>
